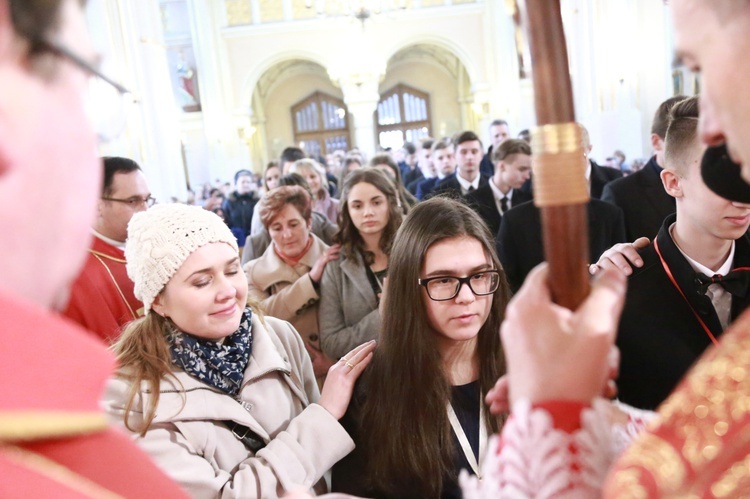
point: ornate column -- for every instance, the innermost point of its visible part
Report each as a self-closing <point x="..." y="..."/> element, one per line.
<point x="227" y="151"/>
<point x="131" y="35"/>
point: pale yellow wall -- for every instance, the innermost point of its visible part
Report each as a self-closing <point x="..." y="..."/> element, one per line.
<point x="278" y="104"/>
<point x="442" y="87"/>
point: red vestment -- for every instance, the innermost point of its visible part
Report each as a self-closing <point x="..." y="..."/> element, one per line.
<point x="101" y="298"/>
<point x="54" y="439"/>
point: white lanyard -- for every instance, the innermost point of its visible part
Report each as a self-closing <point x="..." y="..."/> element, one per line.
<point x="464" y="441"/>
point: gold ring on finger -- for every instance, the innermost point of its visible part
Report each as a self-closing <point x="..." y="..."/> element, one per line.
<point x="349" y="364"/>
<point x="344" y="359"/>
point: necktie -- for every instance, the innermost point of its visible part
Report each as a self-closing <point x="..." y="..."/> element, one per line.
<point x="471" y="188"/>
<point x="504" y="204"/>
<point x="736" y="282"/>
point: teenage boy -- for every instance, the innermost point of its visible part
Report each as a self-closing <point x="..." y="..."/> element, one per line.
<point x="444" y="160"/>
<point x="512" y="160"/>
<point x="467" y="177"/>
<point x="686" y="293"/>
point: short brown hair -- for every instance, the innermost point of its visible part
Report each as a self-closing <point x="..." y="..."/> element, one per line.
<point x="466" y="136"/>
<point x="510" y="147"/>
<point x="443" y="143"/>
<point x="275" y="201"/>
<point x="681" y="133"/>
<point x="661" y="117"/>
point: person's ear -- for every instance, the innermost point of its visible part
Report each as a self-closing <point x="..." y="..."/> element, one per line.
<point x="672" y="183"/>
<point x="159" y="307"/>
<point x="657" y="143"/>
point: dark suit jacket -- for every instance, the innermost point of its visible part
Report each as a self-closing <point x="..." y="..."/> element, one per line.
<point x="486" y="167"/>
<point x="643" y="201"/>
<point x="483" y="202"/>
<point x="601" y="176"/>
<point x="659" y="337"/>
<point x="519" y="242"/>
<point x="449" y="185"/>
<point x="412" y="179"/>
<point x="425" y="187"/>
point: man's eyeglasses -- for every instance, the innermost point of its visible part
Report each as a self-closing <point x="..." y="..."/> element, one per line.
<point x="134" y="202"/>
<point x="443" y="288"/>
<point x="105" y="98"/>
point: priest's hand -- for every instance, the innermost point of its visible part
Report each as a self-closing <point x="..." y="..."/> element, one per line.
<point x="621" y="256"/>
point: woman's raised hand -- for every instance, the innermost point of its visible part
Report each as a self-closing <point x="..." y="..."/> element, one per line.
<point x="339" y="384"/>
<point x="332" y="253"/>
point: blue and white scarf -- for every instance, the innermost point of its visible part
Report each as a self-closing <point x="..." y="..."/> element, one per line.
<point x="221" y="365"/>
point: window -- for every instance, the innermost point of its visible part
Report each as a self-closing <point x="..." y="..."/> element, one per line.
<point x="320" y="124"/>
<point x="403" y="115"/>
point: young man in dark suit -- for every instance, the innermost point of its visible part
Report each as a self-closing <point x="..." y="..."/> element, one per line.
<point x="499" y="133"/>
<point x="512" y="168"/>
<point x="685" y="293"/>
<point x="444" y="160"/>
<point x="519" y="240"/>
<point x="467" y="177"/>
<point x="641" y="196"/>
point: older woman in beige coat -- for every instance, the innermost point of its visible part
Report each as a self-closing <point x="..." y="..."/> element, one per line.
<point x="286" y="279"/>
<point x="222" y="399"/>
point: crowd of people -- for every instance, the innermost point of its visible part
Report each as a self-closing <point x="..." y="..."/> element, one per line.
<point x="365" y="329"/>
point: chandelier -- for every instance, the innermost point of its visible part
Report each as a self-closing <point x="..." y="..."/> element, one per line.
<point x="361" y="10"/>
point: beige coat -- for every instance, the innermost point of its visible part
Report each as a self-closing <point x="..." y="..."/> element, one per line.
<point x="286" y="292"/>
<point x="192" y="445"/>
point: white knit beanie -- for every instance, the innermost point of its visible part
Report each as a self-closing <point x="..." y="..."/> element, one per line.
<point x="161" y="238"/>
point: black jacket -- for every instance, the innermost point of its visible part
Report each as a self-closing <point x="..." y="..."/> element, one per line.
<point x="483" y="202"/>
<point x="238" y="209"/>
<point x="643" y="201"/>
<point x="659" y="336"/>
<point x="451" y="187"/>
<point x="519" y="242"/>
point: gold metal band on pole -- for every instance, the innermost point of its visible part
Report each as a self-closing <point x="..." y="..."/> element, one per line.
<point x="559" y="165"/>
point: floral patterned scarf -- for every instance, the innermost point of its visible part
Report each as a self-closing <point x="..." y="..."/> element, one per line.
<point x="221" y="365"/>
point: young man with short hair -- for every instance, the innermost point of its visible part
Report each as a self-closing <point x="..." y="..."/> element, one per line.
<point x="512" y="168"/>
<point x="499" y="133"/>
<point x="424" y="168"/>
<point x="467" y="177"/>
<point x="444" y="160"/>
<point x="673" y="311"/>
<point x="641" y="195"/>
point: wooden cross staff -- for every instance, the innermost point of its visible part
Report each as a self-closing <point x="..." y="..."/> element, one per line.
<point x="559" y="161"/>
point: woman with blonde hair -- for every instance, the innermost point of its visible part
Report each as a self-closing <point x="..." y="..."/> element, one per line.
<point x="286" y="278"/>
<point x="313" y="172"/>
<point x="224" y="400"/>
<point x="351" y="286"/>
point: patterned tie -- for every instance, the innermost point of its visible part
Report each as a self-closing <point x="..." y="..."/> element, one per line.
<point x="504" y="204"/>
<point x="736" y="282"/>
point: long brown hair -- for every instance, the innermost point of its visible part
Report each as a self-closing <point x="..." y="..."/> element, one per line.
<point x="348" y="236"/>
<point x="406" y="433"/>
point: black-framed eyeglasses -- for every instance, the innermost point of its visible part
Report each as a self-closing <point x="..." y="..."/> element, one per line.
<point x="443" y="288"/>
<point x="134" y="202"/>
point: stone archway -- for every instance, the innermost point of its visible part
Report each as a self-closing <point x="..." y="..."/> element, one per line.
<point x="276" y="90"/>
<point x="439" y="72"/>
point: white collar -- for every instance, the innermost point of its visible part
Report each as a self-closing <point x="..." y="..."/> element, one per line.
<point x="465" y="184"/>
<point x="699" y="267"/>
<point x="111" y="242"/>
<point x="498" y="193"/>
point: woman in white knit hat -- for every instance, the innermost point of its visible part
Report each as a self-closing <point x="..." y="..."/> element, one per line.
<point x="224" y="400"/>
